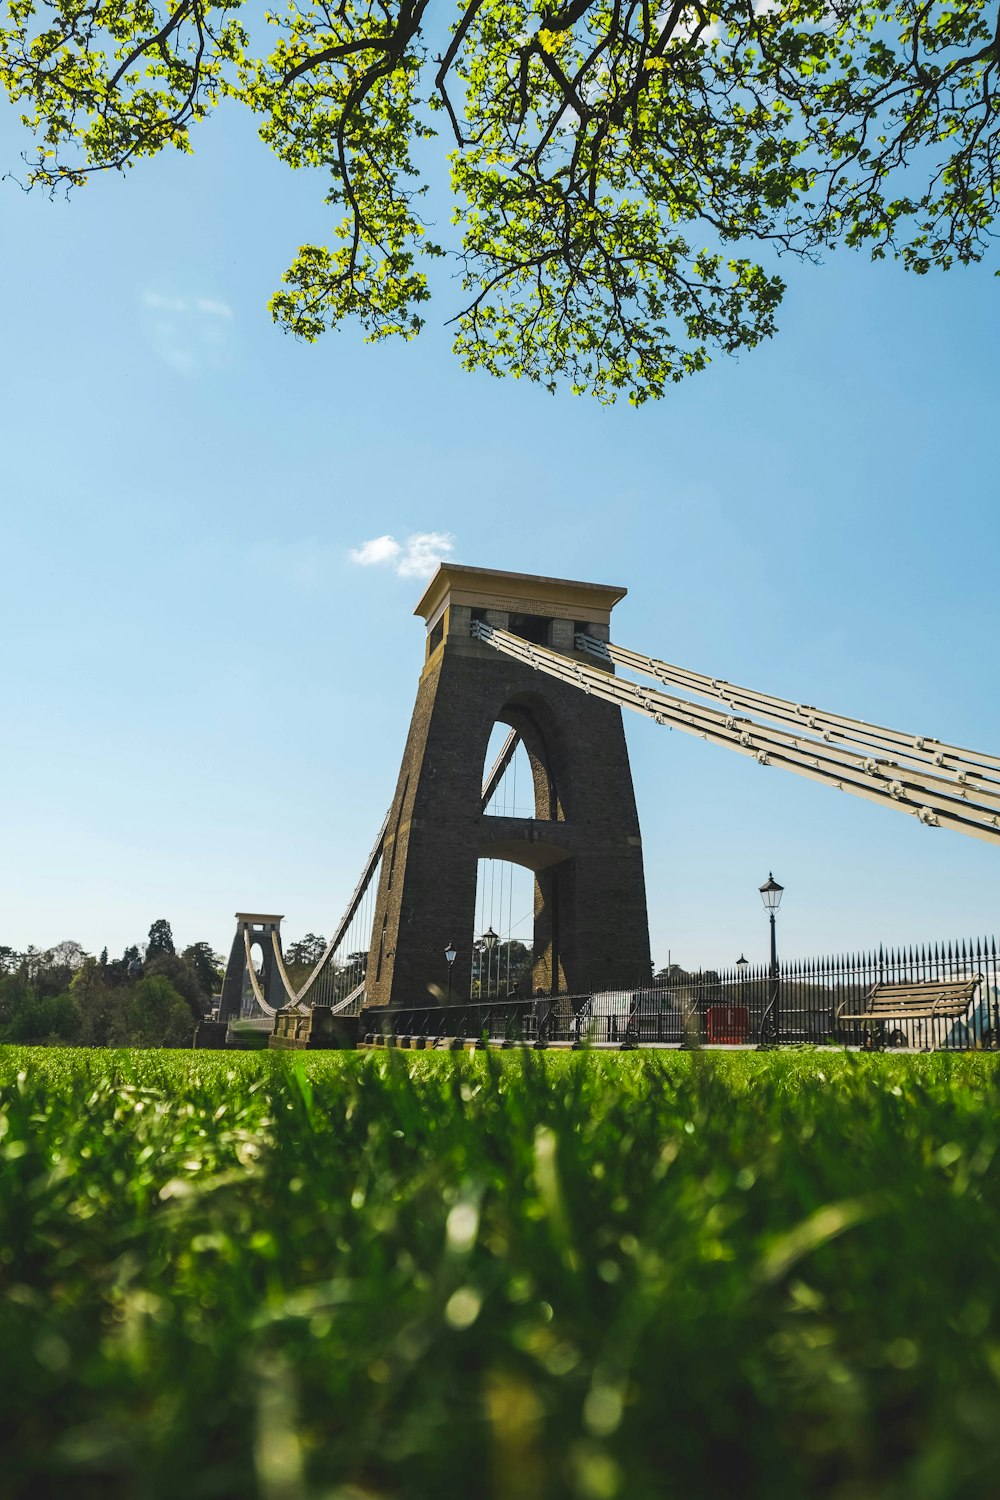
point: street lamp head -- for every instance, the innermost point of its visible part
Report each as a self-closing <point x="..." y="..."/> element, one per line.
<point x="450" y="954"/>
<point x="770" y="893"/>
<point x="742" y="963"/>
<point x="489" y="940"/>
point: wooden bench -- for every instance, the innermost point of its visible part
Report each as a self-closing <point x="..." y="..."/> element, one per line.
<point x="919" y="1000"/>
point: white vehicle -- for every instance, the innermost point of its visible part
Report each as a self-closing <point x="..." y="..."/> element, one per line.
<point x="640" y="1015"/>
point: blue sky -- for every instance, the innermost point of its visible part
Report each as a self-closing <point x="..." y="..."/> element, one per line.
<point x="206" y="698"/>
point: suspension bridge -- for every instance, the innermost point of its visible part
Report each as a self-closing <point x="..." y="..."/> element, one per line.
<point x="535" y="655"/>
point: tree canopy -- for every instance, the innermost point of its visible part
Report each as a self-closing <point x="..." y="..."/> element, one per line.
<point x="161" y="939"/>
<point x="62" y="994"/>
<point x="621" y="173"/>
<point x="206" y="964"/>
<point x="306" y="951"/>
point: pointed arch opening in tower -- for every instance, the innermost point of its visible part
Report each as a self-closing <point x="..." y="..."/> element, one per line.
<point x="248" y="1000"/>
<point x="519" y="780"/>
<point x="507" y="776"/>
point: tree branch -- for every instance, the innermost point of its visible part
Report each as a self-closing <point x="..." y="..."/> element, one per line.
<point x="152" y="41"/>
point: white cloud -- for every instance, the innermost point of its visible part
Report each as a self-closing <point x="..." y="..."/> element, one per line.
<point x="416" y="558"/>
<point x="188" y="334"/>
<point x="380" y="549"/>
<point x="423" y="552"/>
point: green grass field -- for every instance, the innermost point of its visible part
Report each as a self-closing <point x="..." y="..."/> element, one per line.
<point x="519" y="1276"/>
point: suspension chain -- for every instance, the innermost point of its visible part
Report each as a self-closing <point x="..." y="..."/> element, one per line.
<point x="961" y="798"/>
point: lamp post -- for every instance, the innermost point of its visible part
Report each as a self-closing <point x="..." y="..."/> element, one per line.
<point x="742" y="964"/>
<point x="770" y="894"/>
<point x="450" y="954"/>
<point x="489" y="941"/>
<point x="487" y="945"/>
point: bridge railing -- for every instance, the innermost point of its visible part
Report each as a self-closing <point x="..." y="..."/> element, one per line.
<point x="804" y="1003"/>
<point x="497" y="1019"/>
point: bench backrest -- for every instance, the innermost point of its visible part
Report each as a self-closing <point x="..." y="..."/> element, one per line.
<point x="918" y="998"/>
<point x="928" y="997"/>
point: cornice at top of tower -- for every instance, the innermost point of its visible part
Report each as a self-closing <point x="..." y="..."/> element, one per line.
<point x="530" y="593"/>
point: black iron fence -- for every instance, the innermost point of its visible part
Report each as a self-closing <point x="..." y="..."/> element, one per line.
<point x="819" y="1001"/>
<point x="510" y="1019"/>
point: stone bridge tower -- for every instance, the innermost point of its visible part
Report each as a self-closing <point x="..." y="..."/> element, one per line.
<point x="582" y="844"/>
<point x="237" y="999"/>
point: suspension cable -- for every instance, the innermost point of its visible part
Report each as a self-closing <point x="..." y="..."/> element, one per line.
<point x="503" y="760"/>
<point x="938" y="801"/>
<point x="836" y="726"/>
<point x="296" y="997"/>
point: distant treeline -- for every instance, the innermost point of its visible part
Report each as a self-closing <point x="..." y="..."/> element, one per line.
<point x="152" y="996"/>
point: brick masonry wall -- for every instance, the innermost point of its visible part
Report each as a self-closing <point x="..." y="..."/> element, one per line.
<point x="591" y="927"/>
